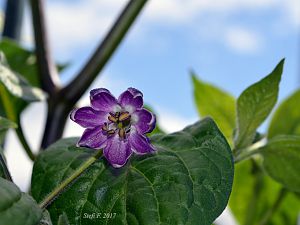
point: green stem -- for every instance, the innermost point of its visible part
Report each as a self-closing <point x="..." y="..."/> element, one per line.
<point x="5" y="169"/>
<point x="58" y="190"/>
<point x="256" y="191"/>
<point x="246" y="155"/>
<point x="24" y="142"/>
<point x="281" y="195"/>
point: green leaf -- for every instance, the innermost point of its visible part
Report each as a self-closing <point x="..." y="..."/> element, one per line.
<point x="244" y="192"/>
<point x="286" y="119"/>
<point x="17" y="85"/>
<point x="21" y="60"/>
<point x="15" y="207"/>
<point x="214" y="102"/>
<point x="255" y="104"/>
<point x="282" y="160"/>
<point x="188" y="181"/>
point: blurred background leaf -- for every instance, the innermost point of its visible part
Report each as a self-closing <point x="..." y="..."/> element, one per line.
<point x="214" y="102"/>
<point x="254" y="193"/>
<point x="282" y="160"/>
<point x="286" y="119"/>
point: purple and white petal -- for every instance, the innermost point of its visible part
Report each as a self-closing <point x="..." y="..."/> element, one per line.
<point x="140" y="144"/>
<point x="103" y="100"/>
<point x="117" y="151"/>
<point x="96" y="91"/>
<point x="143" y="120"/>
<point x="87" y="117"/>
<point x="131" y="100"/>
<point x="93" y="138"/>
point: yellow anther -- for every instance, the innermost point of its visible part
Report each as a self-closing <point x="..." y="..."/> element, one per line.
<point x="111" y="131"/>
<point x="124" y="116"/>
<point x="112" y="119"/>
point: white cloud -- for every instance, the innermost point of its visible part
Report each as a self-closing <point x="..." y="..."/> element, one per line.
<point x="291" y="10"/>
<point x="170" y="121"/>
<point x="80" y="23"/>
<point x="243" y="40"/>
<point x="182" y="11"/>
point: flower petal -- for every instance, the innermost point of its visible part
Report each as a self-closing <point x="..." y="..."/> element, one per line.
<point x="143" y="120"/>
<point x="103" y="100"/>
<point x="131" y="100"/>
<point x="93" y="138"/>
<point x="87" y="117"/>
<point x="140" y="144"/>
<point x="117" y="151"/>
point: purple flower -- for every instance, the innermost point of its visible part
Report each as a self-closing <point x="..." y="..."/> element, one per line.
<point x="116" y="125"/>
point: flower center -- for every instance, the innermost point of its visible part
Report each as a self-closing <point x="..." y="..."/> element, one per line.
<point x="119" y="122"/>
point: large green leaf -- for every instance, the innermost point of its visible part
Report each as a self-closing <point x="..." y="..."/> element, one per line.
<point x="286" y="119"/>
<point x="17" y="208"/>
<point x="255" y="104"/>
<point x="214" y="102"/>
<point x="282" y="160"/>
<point x="188" y="181"/>
<point x="254" y="193"/>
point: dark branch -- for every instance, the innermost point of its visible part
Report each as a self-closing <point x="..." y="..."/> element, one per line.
<point x="13" y="19"/>
<point x="73" y="91"/>
<point x="61" y="104"/>
<point x="47" y="70"/>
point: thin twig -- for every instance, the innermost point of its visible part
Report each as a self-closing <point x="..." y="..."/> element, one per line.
<point x="24" y="143"/>
<point x="76" y="88"/>
<point x="5" y="169"/>
<point x="47" y="70"/>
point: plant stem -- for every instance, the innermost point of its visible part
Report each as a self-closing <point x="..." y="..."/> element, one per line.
<point x="257" y="188"/>
<point x="281" y="195"/>
<point x="47" y="69"/>
<point x="62" y="187"/>
<point x="73" y="91"/>
<point x="5" y="169"/>
<point x="246" y="155"/>
<point x="13" y="19"/>
<point x="24" y="142"/>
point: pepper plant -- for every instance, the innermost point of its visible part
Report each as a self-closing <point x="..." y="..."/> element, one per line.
<point x="118" y="172"/>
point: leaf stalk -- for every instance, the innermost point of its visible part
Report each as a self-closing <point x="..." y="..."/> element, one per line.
<point x="66" y="183"/>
